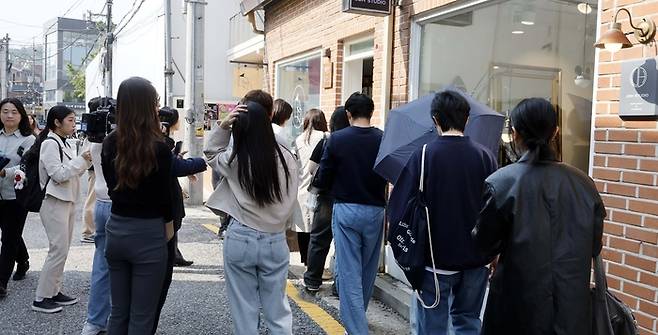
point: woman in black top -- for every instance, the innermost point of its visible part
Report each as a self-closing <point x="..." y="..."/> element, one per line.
<point x="137" y="168"/>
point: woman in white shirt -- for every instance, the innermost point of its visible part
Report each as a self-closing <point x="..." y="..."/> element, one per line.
<point x="315" y="129"/>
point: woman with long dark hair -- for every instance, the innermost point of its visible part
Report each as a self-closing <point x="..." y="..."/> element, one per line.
<point x="15" y="138"/>
<point x="315" y="129"/>
<point x="545" y="221"/>
<point x="137" y="168"/>
<point x="59" y="174"/>
<point x="258" y="192"/>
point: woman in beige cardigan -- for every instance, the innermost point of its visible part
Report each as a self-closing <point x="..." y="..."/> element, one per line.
<point x="59" y="173"/>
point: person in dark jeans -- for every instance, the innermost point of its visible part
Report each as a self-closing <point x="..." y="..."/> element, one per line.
<point x="138" y="172"/>
<point x="15" y="138"/>
<point x="180" y="168"/>
<point x="455" y="171"/>
<point x="321" y="234"/>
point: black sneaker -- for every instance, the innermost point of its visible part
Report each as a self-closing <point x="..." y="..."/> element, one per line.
<point x="64" y="300"/>
<point x="21" y="271"/>
<point x="182" y="262"/>
<point x="47" y="306"/>
<point x="311" y="289"/>
<point x="3" y="292"/>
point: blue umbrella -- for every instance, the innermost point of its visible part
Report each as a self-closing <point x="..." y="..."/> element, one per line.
<point x="410" y="126"/>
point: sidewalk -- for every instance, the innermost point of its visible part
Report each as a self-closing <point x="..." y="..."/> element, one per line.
<point x="388" y="313"/>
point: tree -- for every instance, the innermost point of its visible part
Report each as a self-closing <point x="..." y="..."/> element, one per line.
<point x="77" y="81"/>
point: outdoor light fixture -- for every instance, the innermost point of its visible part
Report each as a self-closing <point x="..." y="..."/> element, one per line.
<point x="614" y="39"/>
<point x="584" y="8"/>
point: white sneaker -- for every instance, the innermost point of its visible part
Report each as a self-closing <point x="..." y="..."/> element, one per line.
<point x="91" y="329"/>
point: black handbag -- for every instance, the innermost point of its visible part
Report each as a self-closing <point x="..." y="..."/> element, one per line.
<point x="410" y="238"/>
<point x="610" y="316"/>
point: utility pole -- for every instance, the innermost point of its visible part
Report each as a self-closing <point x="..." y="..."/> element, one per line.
<point x="33" y="80"/>
<point x="168" y="71"/>
<point x="4" y="60"/>
<point x="194" y="96"/>
<point x="109" y="39"/>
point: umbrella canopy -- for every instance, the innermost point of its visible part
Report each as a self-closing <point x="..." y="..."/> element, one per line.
<point x="410" y="126"/>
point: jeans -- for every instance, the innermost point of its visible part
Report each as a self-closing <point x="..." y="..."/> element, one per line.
<point x="358" y="234"/>
<point x="320" y="242"/>
<point x="462" y="295"/>
<point x="136" y="253"/>
<point x="256" y="268"/>
<point x="12" y="222"/>
<point x="98" y="309"/>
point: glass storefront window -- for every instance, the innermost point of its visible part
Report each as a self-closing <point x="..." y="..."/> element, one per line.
<point x="298" y="82"/>
<point x="502" y="52"/>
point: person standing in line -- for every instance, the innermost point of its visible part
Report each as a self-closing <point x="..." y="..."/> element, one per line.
<point x="321" y="236"/>
<point x="16" y="137"/>
<point x="180" y="168"/>
<point x="455" y="170"/>
<point x="258" y="192"/>
<point x="59" y="174"/>
<point x="88" y="218"/>
<point x="281" y="113"/>
<point x="545" y="221"/>
<point x="315" y="129"/>
<point x="98" y="308"/>
<point x="359" y="195"/>
<point x="136" y="164"/>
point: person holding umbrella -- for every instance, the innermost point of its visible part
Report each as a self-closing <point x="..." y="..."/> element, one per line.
<point x="455" y="170"/>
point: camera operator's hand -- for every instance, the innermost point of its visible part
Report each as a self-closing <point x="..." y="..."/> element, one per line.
<point x="3" y="173"/>
<point x="232" y="116"/>
<point x="87" y="156"/>
<point x="193" y="178"/>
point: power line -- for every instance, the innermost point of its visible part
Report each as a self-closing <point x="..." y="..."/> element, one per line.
<point x="127" y="13"/>
<point x="131" y="17"/>
<point x="20" y="24"/>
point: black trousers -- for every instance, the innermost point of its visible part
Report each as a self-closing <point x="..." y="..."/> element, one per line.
<point x="12" y="222"/>
<point x="320" y="241"/>
<point x="303" y="240"/>
<point x="136" y="253"/>
<point x="172" y="247"/>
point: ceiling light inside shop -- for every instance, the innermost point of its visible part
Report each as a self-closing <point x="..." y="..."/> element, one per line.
<point x="584" y="8"/>
<point x="582" y="81"/>
<point x="528" y="18"/>
<point x="518" y="32"/>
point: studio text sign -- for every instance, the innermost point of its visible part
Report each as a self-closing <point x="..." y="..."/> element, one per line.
<point x="367" y="7"/>
<point x="639" y="89"/>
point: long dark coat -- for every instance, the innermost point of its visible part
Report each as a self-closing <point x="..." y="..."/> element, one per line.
<point x="545" y="220"/>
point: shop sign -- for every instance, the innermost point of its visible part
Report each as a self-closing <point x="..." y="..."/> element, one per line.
<point x="639" y="89"/>
<point x="367" y="7"/>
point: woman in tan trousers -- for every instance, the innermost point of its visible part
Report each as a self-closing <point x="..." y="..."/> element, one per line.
<point x="59" y="173"/>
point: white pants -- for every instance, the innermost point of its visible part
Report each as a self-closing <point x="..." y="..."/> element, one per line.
<point x="58" y="218"/>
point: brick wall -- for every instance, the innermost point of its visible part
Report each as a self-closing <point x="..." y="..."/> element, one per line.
<point x="624" y="168"/>
<point x="293" y="27"/>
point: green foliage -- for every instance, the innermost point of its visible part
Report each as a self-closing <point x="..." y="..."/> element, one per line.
<point x="77" y="81"/>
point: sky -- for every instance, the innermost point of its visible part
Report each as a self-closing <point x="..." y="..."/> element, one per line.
<point x="23" y="20"/>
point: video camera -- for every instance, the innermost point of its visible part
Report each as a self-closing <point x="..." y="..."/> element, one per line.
<point x="97" y="124"/>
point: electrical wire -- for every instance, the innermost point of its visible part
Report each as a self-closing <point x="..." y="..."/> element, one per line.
<point x="127" y="13"/>
<point x="131" y="17"/>
<point x="20" y="24"/>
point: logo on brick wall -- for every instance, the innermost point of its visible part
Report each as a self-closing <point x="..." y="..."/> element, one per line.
<point x="639" y="77"/>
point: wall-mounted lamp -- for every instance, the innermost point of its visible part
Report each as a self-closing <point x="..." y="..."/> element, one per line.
<point x="614" y="39"/>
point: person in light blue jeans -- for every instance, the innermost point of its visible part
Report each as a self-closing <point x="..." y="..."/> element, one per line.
<point x="254" y="263"/>
<point x="358" y="235"/>
<point x="259" y="193"/>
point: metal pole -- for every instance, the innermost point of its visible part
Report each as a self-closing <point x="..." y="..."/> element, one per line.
<point x="194" y="96"/>
<point x="168" y="72"/>
<point x="4" y="60"/>
<point x="109" y="39"/>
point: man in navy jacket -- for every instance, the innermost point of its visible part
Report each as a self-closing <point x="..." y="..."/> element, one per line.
<point x="455" y="171"/>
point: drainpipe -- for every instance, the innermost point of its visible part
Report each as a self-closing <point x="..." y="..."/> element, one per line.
<point x="387" y="61"/>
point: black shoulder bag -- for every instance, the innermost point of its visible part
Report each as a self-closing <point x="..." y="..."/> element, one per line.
<point x="610" y="316"/>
